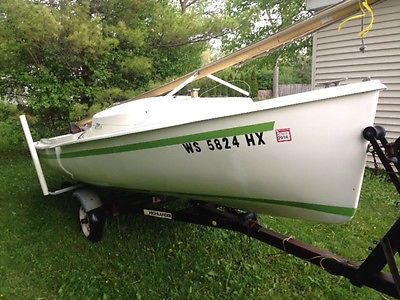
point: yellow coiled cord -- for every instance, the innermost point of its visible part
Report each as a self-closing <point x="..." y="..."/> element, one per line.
<point x="364" y="7"/>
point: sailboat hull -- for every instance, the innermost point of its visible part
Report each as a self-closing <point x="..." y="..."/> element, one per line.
<point x="301" y="160"/>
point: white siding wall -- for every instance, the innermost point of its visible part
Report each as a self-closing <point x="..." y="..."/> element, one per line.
<point x="337" y="55"/>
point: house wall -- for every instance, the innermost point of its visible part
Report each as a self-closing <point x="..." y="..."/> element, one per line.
<point x="336" y="55"/>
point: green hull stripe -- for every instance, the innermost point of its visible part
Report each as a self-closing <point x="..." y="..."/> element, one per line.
<point x="168" y="141"/>
<point x="336" y="210"/>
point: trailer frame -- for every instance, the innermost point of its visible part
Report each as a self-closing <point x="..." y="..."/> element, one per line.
<point x="369" y="273"/>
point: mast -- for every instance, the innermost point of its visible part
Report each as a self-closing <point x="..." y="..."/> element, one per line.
<point x="288" y="35"/>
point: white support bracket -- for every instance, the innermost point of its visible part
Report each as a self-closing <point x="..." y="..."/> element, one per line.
<point x="67" y="189"/>
<point x="183" y="84"/>
<point x="229" y="85"/>
<point x="36" y="162"/>
<point x="35" y="158"/>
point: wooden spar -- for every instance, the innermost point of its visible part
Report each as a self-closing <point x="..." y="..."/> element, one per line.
<point x="290" y="34"/>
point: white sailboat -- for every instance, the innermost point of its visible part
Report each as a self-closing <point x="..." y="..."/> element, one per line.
<point x="298" y="156"/>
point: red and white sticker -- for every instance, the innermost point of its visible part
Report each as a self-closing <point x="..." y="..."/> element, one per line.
<point x="283" y="135"/>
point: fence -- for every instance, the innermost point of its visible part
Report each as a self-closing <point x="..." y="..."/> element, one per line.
<point x="284" y="90"/>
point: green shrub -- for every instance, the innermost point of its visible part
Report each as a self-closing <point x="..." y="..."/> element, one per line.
<point x="11" y="135"/>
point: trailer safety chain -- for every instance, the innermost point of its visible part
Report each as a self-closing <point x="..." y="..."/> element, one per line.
<point x="376" y="166"/>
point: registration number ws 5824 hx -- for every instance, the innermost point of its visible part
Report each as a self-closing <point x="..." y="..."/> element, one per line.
<point x="225" y="143"/>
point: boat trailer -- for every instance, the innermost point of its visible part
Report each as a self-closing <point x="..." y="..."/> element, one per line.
<point x="92" y="215"/>
<point x="369" y="273"/>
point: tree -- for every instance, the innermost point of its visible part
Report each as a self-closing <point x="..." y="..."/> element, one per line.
<point x="60" y="59"/>
<point x="260" y="19"/>
<point x="185" y="4"/>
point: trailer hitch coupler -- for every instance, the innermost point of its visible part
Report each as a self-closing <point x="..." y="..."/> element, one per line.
<point x="374" y="132"/>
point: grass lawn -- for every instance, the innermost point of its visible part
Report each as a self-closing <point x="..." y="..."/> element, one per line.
<point x="43" y="255"/>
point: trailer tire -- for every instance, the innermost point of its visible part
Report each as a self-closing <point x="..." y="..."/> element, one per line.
<point x="92" y="223"/>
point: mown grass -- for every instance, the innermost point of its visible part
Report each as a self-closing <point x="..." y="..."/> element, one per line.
<point x="43" y="255"/>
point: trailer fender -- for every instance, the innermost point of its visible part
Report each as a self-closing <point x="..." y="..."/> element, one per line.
<point x="88" y="199"/>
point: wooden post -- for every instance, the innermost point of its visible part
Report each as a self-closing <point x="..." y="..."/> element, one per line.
<point x="275" y="82"/>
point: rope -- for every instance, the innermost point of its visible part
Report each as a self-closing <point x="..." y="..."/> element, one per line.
<point x="322" y="259"/>
<point x="364" y="7"/>
<point x="284" y="241"/>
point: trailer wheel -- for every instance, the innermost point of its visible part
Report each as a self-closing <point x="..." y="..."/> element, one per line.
<point x="92" y="223"/>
